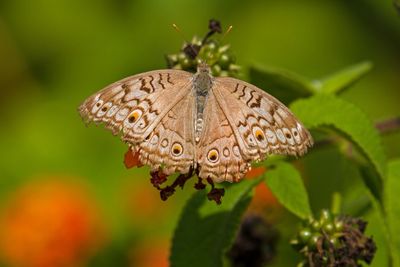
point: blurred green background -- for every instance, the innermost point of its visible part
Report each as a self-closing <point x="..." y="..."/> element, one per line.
<point x="53" y="54"/>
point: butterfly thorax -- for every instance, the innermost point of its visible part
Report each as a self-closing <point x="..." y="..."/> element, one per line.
<point x="202" y="83"/>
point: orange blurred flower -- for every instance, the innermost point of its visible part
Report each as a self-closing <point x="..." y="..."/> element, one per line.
<point x="151" y="253"/>
<point x="263" y="196"/>
<point x="255" y="172"/>
<point x="47" y="224"/>
<point x="142" y="203"/>
<point x="263" y="201"/>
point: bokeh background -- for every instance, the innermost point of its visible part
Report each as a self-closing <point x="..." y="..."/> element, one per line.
<point x="66" y="198"/>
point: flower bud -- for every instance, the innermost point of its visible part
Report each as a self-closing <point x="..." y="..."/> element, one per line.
<point x="224" y="61"/>
<point x="304" y="235"/>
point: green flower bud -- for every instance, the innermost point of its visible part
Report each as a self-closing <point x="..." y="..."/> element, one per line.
<point x="325" y="217"/>
<point x="304" y="235"/>
<point x="172" y="60"/>
<point x="338" y="226"/>
<point x="181" y="56"/>
<point x="296" y="244"/>
<point x="224" y="61"/>
<point x="196" y="40"/>
<point x="223" y="49"/>
<point x="315" y="225"/>
<point x="312" y="242"/>
<point x="227" y="74"/>
<point x="215" y="70"/>
<point x="234" y="67"/>
<point x="211" y="47"/>
<point x="197" y="61"/>
<point x="185" y="64"/>
<point x="177" y="67"/>
<point x="329" y="228"/>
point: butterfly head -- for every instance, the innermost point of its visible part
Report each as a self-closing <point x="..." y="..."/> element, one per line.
<point x="203" y="68"/>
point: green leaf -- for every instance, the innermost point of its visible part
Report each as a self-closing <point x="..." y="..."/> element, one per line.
<point x="392" y="209"/>
<point x="206" y="230"/>
<point x="342" y="79"/>
<point x="348" y="120"/>
<point x="282" y="84"/>
<point x="372" y="180"/>
<point x="288" y="86"/>
<point x="396" y="4"/>
<point x="286" y="184"/>
<point x="378" y="231"/>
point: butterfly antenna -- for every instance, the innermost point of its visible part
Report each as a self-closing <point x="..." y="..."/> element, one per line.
<point x="179" y="32"/>
<point x="190" y="49"/>
<point x="227" y="32"/>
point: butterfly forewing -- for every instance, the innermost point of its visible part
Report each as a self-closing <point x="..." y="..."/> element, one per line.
<point x="136" y="104"/>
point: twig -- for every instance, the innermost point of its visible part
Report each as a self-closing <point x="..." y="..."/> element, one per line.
<point x="388" y="126"/>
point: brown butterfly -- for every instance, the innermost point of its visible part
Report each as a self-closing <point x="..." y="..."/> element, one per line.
<point x="178" y="121"/>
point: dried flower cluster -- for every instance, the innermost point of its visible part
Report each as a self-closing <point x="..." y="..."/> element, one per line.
<point x="334" y="241"/>
<point x="158" y="178"/>
<point x="219" y="57"/>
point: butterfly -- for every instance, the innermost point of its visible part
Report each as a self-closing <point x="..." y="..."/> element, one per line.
<point x="178" y="121"/>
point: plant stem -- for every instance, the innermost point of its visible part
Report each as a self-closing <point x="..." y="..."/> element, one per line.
<point x="336" y="206"/>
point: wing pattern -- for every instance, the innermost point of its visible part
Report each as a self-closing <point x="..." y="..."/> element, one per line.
<point x="155" y="114"/>
<point x="150" y="111"/>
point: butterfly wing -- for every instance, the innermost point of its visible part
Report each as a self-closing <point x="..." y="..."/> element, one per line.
<point x="136" y="104"/>
<point x="218" y="153"/>
<point x="171" y="144"/>
<point x="154" y="111"/>
<point x="262" y="125"/>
